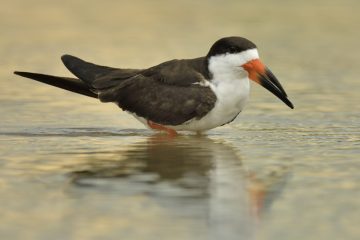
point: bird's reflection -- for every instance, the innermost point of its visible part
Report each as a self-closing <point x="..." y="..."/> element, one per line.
<point x="186" y="161"/>
<point x="192" y="167"/>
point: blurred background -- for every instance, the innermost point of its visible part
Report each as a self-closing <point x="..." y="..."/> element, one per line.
<point x="72" y="168"/>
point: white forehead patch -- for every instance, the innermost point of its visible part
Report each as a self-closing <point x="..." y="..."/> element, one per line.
<point x="232" y="59"/>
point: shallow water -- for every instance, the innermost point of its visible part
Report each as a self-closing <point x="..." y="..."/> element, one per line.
<point x="72" y="168"/>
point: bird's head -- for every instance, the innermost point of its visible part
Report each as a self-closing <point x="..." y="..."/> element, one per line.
<point x="238" y="54"/>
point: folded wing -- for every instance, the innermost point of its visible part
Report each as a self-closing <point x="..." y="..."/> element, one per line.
<point x="168" y="94"/>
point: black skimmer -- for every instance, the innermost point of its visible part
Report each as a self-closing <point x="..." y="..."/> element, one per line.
<point x="191" y="94"/>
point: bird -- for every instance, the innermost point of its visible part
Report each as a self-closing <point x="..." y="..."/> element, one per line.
<point x="195" y="94"/>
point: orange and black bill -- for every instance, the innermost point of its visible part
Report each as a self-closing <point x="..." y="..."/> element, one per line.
<point x="263" y="76"/>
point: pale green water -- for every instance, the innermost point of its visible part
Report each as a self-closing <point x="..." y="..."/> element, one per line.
<point x="72" y="168"/>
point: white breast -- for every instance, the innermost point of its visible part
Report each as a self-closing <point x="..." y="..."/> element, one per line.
<point x="231" y="95"/>
<point x="231" y="86"/>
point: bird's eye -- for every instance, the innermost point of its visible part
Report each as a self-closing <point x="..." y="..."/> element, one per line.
<point x="233" y="50"/>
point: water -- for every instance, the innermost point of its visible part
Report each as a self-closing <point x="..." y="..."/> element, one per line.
<point x="72" y="168"/>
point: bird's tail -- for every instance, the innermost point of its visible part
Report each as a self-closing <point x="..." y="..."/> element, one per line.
<point x="71" y="84"/>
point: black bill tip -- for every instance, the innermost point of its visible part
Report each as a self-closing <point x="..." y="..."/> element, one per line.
<point x="270" y="82"/>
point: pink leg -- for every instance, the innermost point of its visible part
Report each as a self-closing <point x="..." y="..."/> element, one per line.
<point x="159" y="127"/>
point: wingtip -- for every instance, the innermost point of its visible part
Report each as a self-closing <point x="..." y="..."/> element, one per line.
<point x="69" y="60"/>
<point x="66" y="57"/>
<point x="19" y="73"/>
<point x="27" y="74"/>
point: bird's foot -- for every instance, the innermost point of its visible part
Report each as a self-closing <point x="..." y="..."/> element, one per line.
<point x="170" y="132"/>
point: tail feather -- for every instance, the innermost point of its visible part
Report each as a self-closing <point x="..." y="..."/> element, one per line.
<point x="71" y="84"/>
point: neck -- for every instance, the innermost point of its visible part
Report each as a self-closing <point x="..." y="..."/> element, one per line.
<point x="230" y="82"/>
<point x="223" y="73"/>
